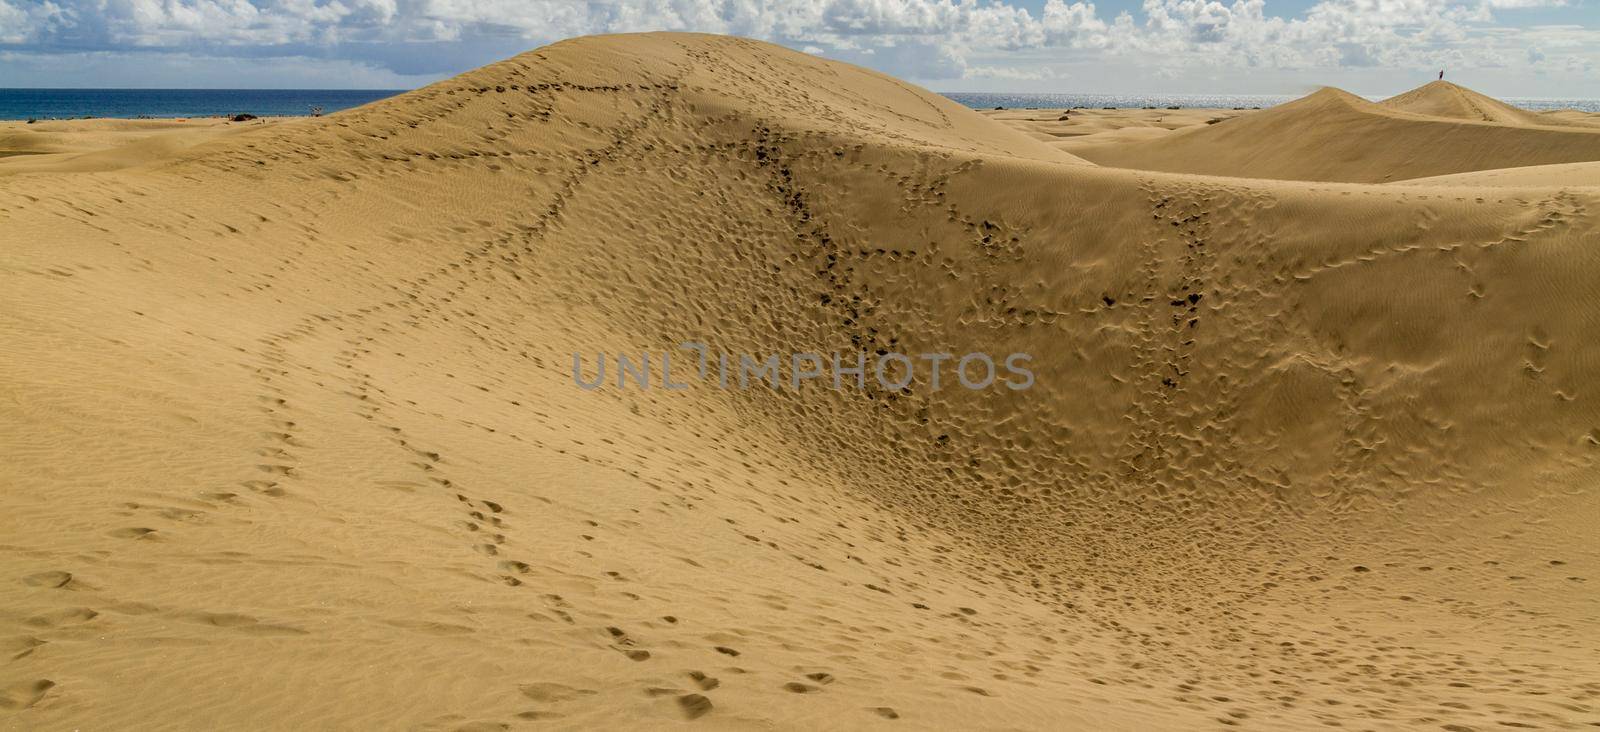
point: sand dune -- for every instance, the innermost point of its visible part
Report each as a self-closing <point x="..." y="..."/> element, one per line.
<point x="83" y="146"/>
<point x="293" y="440"/>
<point x="1444" y="99"/>
<point x="1335" y="136"/>
<point x="1068" y="129"/>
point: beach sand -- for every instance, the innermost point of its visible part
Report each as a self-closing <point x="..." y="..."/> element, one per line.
<point x="292" y="438"/>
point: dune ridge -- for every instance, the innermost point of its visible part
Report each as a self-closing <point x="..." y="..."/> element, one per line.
<point x="295" y="404"/>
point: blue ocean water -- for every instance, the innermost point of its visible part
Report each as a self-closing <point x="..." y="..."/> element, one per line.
<point x="63" y="103"/>
<point x="978" y="100"/>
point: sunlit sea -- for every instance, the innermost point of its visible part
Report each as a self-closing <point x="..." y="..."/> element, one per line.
<point x="168" y="103"/>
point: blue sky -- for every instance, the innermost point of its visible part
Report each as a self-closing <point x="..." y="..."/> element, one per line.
<point x="1529" y="48"/>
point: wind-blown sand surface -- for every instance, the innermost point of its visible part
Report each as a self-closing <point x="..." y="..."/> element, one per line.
<point x="291" y="436"/>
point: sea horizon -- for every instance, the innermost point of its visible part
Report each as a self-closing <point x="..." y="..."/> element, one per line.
<point x="129" y="103"/>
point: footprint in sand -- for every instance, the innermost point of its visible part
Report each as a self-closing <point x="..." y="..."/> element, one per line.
<point x="549" y="692"/>
<point x="25" y="694"/>
<point x="694" y="705"/>
<point x="63" y="617"/>
<point x="52" y="580"/>
<point x="706" y="683"/>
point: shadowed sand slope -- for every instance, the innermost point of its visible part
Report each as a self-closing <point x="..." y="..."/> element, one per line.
<point x="293" y="410"/>
<point x="1333" y="135"/>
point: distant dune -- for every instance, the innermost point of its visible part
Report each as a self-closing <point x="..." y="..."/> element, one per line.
<point x="1332" y="135"/>
<point x="293" y="439"/>
<point x="1444" y="99"/>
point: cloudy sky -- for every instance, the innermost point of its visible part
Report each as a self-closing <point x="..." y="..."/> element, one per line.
<point x="1517" y="48"/>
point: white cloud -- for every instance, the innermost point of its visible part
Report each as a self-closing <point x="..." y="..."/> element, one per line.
<point x="922" y="39"/>
<point x="1013" y="73"/>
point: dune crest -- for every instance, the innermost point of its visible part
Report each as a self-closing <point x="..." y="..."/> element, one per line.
<point x="293" y="409"/>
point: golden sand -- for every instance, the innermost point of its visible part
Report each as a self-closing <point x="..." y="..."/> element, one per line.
<point x="291" y="438"/>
